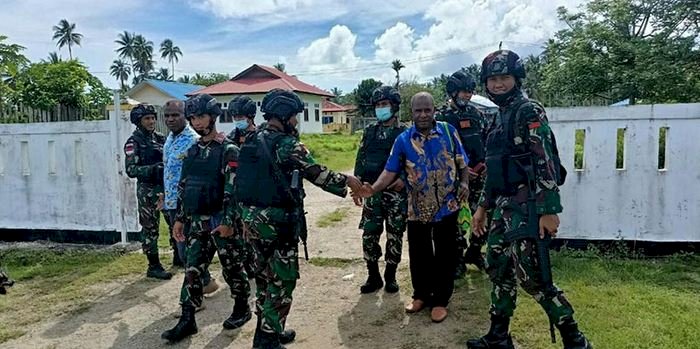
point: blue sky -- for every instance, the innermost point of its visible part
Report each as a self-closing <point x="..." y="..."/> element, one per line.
<point x="325" y="42"/>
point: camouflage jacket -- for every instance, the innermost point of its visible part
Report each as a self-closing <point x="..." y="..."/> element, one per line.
<point x="531" y="125"/>
<point x="293" y="154"/>
<point x="144" y="157"/>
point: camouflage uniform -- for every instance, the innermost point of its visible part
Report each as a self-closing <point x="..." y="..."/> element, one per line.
<point x="272" y="232"/>
<point x="200" y="240"/>
<point x="505" y="260"/>
<point x="471" y="126"/>
<point x="387" y="206"/>
<point x="5" y="281"/>
<point x="144" y="161"/>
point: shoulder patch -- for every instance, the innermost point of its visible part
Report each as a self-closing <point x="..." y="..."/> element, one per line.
<point x="220" y="137"/>
<point x="465" y="123"/>
<point x="129" y="147"/>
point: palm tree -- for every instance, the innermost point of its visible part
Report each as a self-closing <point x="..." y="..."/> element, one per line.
<point x="121" y="71"/>
<point x="279" y="66"/>
<point x="65" y="33"/>
<point x="396" y="66"/>
<point x="126" y="45"/>
<point x="185" y="79"/>
<point x="143" y="56"/>
<point x="52" y="58"/>
<point x="337" y="93"/>
<point x="163" y="74"/>
<point x="171" y="52"/>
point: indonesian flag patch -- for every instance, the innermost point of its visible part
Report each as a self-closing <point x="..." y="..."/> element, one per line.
<point x="534" y="125"/>
<point x="465" y="124"/>
<point x="129" y="149"/>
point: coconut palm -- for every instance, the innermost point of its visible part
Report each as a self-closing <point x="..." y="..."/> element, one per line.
<point x="121" y="71"/>
<point x="170" y="52"/>
<point x="185" y="79"/>
<point x="126" y="45"/>
<point x="143" y="56"/>
<point x="52" y="58"/>
<point x="396" y="66"/>
<point x="66" y="35"/>
<point x="163" y="74"/>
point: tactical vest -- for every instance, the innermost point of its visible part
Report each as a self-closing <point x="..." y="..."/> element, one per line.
<point x="257" y="182"/>
<point x="377" y="151"/>
<point x="504" y="159"/>
<point x="469" y="125"/>
<point x="150" y="152"/>
<point x="204" y="184"/>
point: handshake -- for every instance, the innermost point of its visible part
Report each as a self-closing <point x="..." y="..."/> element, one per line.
<point x="358" y="189"/>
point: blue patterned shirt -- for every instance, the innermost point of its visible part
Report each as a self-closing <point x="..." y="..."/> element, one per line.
<point x="432" y="164"/>
<point x="174" y="152"/>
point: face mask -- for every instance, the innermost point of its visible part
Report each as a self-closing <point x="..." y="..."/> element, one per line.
<point x="241" y="124"/>
<point x="383" y="114"/>
<point x="461" y="103"/>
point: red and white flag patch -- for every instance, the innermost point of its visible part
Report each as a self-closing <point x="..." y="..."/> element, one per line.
<point x="129" y="149"/>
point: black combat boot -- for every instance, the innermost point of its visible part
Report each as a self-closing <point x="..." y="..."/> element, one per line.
<point x="473" y="256"/>
<point x="240" y="315"/>
<point x="155" y="269"/>
<point x="571" y="336"/>
<point x="497" y="338"/>
<point x="287" y="336"/>
<point x="184" y="328"/>
<point x="374" y="279"/>
<point x="269" y="341"/>
<point x="390" y="278"/>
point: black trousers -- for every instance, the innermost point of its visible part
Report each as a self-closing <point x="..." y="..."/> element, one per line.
<point x="432" y="256"/>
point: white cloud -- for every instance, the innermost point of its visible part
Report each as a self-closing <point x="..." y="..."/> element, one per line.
<point x="335" y="50"/>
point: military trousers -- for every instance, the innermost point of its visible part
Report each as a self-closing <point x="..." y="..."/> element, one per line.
<point x="277" y="270"/>
<point x="510" y="262"/>
<point x="231" y="251"/>
<point x="181" y="247"/>
<point x="149" y="216"/>
<point x="390" y="208"/>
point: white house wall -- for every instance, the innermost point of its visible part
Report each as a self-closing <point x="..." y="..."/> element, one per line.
<point x="150" y="95"/>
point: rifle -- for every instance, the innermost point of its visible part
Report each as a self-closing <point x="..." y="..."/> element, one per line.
<point x="531" y="231"/>
<point x="297" y="216"/>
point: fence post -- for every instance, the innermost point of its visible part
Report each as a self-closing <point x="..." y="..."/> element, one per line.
<point x="118" y="213"/>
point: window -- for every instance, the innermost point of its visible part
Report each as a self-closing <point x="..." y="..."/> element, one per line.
<point x="259" y="103"/>
<point x="317" y="115"/>
<point x="306" y="115"/>
<point x="226" y="117"/>
<point x="620" y="149"/>
<point x="663" y="139"/>
<point x="225" y="105"/>
<point x="317" y="106"/>
<point x="579" y="148"/>
<point x="327" y="119"/>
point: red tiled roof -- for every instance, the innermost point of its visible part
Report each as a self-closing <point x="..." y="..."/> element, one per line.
<point x="260" y="79"/>
<point x="330" y="107"/>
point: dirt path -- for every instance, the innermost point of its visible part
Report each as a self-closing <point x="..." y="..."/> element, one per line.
<point x="328" y="311"/>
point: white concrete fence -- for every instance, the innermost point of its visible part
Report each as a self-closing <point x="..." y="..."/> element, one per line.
<point x="70" y="175"/>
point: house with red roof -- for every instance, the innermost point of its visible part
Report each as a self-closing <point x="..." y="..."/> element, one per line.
<point x="337" y="117"/>
<point x="255" y="82"/>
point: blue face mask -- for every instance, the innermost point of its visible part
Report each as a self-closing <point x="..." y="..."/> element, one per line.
<point x="241" y="124"/>
<point x="383" y="114"/>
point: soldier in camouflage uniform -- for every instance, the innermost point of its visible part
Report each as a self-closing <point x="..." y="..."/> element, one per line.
<point x="389" y="205"/>
<point x="471" y="125"/>
<point x="206" y="202"/>
<point x="243" y="110"/>
<point x="269" y="189"/>
<point x="144" y="161"/>
<point x="521" y="131"/>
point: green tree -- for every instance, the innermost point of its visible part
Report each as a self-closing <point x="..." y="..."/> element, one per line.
<point x="280" y="66"/>
<point x="337" y="94"/>
<point x="65" y="35"/>
<point x="410" y="88"/>
<point x="52" y="58"/>
<point x="363" y="97"/>
<point x="396" y="66"/>
<point x="644" y="50"/>
<point x="163" y="74"/>
<point x="143" y="58"/>
<point x="185" y="79"/>
<point x="125" y="50"/>
<point x="45" y="85"/>
<point x="209" y="79"/>
<point x="120" y="70"/>
<point x="11" y="63"/>
<point x="169" y="51"/>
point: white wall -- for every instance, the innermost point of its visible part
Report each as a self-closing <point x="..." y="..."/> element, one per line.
<point x="639" y="202"/>
<point x="64" y="176"/>
<point x="150" y="95"/>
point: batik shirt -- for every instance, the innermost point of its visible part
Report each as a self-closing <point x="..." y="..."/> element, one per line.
<point x="174" y="152"/>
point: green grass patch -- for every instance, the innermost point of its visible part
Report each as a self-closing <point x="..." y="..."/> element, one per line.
<point x="332" y="262"/>
<point x="335" y="150"/>
<point x="49" y="283"/>
<point x="332" y="218"/>
<point x="621" y="303"/>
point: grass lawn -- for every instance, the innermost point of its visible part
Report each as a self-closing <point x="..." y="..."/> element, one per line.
<point x="336" y="150"/>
